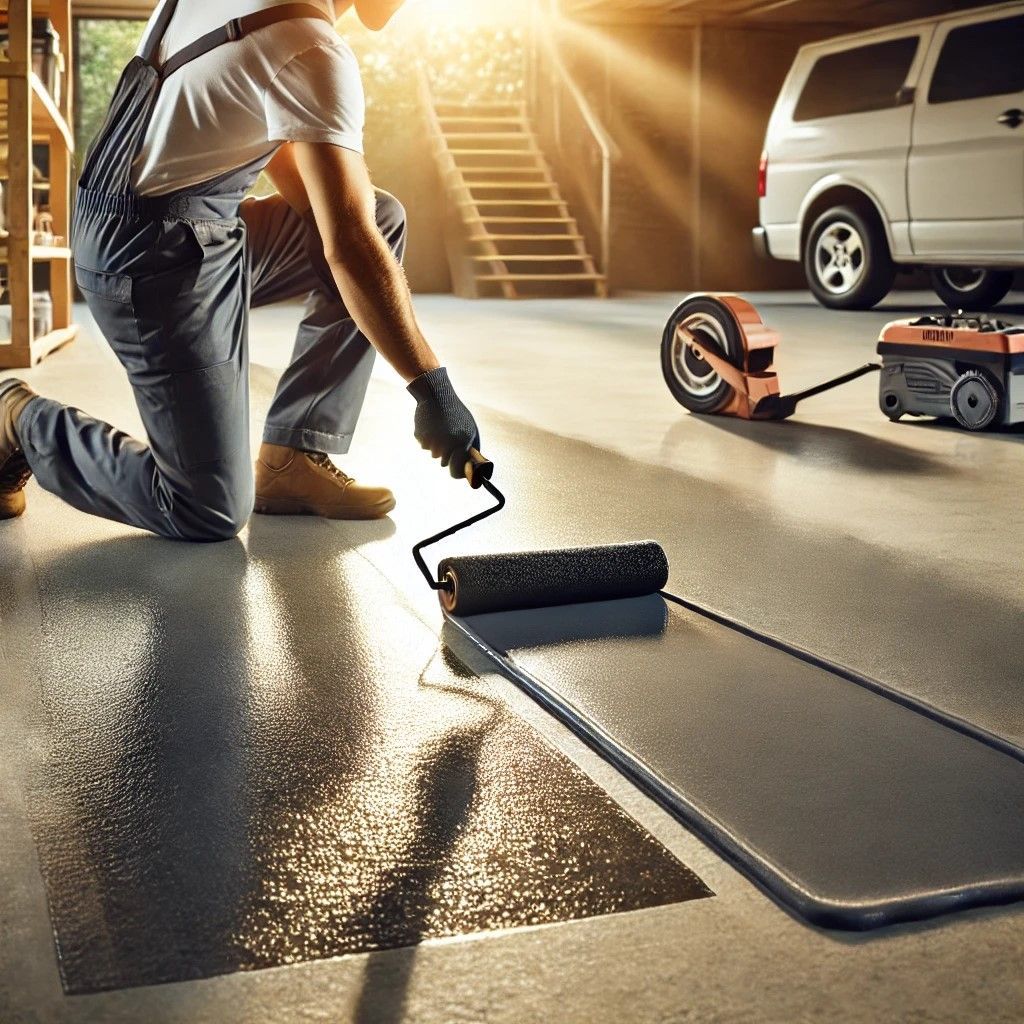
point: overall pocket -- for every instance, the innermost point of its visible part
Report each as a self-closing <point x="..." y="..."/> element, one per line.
<point x="190" y="299"/>
<point x="210" y="413"/>
<point x="109" y="298"/>
<point x="191" y="310"/>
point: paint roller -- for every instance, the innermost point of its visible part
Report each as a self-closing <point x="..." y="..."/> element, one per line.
<point x="477" y="584"/>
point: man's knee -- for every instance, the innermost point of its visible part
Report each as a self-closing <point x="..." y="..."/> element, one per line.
<point x="210" y="518"/>
<point x="391" y="219"/>
<point x="220" y="526"/>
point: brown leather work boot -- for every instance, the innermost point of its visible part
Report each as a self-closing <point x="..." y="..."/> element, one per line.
<point x="14" y="469"/>
<point x="290" y="482"/>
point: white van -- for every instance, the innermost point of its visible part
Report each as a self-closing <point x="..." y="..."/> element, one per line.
<point x="899" y="148"/>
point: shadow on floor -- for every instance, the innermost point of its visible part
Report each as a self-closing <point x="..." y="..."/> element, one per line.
<point x="445" y="789"/>
<point x="1012" y="434"/>
<point x="824" y="444"/>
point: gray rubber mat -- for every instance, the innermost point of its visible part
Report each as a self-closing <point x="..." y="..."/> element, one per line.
<point x="852" y="809"/>
<point x="255" y="755"/>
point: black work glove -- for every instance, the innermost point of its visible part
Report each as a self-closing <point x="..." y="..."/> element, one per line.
<point x="444" y="426"/>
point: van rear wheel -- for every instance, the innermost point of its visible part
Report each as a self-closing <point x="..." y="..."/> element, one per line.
<point x="847" y="261"/>
<point x="972" y="289"/>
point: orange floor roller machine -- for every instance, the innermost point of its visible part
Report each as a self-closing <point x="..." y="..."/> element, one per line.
<point x="718" y="357"/>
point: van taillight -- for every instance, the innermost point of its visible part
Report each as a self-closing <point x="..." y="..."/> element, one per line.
<point x="762" y="176"/>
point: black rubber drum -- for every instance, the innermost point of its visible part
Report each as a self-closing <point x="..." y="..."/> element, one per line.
<point x="694" y="383"/>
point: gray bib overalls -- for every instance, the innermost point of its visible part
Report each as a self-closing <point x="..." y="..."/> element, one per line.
<point x="169" y="281"/>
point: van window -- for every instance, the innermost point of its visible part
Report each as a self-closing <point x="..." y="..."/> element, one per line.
<point x="980" y="60"/>
<point x="857" y="80"/>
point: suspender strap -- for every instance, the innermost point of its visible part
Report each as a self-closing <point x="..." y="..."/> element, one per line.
<point x="149" y="53"/>
<point x="238" y="27"/>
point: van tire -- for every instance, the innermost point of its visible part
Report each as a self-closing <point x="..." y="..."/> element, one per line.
<point x="973" y="292"/>
<point x="865" y="273"/>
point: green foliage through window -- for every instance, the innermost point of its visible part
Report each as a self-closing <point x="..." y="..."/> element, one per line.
<point x="105" y="45"/>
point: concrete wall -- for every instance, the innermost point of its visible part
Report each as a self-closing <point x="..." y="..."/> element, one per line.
<point x="742" y="71"/>
<point x="688" y="107"/>
<point x="641" y="89"/>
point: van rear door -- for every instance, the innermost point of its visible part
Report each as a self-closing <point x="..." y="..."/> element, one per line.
<point x="965" y="178"/>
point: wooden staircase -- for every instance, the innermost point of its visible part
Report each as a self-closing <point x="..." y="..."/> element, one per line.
<point x="514" y="234"/>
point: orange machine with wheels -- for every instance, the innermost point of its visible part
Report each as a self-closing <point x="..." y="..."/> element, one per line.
<point x="970" y="368"/>
<point x="718" y="358"/>
<point x="750" y="372"/>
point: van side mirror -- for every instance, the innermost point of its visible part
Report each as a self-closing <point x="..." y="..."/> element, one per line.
<point x="904" y="95"/>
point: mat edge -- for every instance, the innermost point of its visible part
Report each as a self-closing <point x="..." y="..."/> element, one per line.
<point x="790" y="895"/>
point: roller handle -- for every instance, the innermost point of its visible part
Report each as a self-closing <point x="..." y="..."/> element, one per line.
<point x="478" y="469"/>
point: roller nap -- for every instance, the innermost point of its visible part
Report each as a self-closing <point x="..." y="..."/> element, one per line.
<point x="536" y="579"/>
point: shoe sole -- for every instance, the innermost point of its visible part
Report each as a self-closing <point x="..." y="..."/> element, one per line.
<point x="291" y="507"/>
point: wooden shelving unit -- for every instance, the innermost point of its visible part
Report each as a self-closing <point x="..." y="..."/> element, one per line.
<point x="32" y="116"/>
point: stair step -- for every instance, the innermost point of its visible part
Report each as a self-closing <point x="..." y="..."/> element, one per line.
<point x="471" y="184"/>
<point x="480" y="104"/>
<point x="511" y="202"/>
<point x="511" y="184"/>
<point x="525" y="238"/>
<point x="474" y="118"/>
<point x="539" y="277"/>
<point x="498" y="170"/>
<point x="489" y="135"/>
<point x="471" y="151"/>
<point x="531" y="186"/>
<point x="519" y="220"/>
<point x="568" y="257"/>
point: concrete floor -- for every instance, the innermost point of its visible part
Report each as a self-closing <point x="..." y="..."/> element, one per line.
<point x="892" y="548"/>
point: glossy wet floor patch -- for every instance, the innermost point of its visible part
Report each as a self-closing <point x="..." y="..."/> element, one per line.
<point x="852" y="809"/>
<point x="255" y="755"/>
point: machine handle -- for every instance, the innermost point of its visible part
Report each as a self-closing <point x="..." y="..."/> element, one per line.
<point x="1012" y="118"/>
<point x="478" y="469"/>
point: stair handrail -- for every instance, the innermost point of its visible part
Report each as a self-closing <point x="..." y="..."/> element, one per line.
<point x="606" y="145"/>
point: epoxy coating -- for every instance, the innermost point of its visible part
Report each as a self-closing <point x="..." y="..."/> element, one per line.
<point x="853" y="810"/>
<point x="893" y="548"/>
<point x="257" y="756"/>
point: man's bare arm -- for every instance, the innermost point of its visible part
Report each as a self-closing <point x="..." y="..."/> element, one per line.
<point x="332" y="185"/>
<point x="375" y="14"/>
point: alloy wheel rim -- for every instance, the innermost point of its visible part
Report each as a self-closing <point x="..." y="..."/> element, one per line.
<point x="963" y="279"/>
<point x="840" y="258"/>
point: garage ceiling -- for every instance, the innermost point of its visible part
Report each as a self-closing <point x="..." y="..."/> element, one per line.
<point x="856" y="13"/>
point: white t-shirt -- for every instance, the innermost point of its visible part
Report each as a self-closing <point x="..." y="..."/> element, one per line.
<point x="293" y="81"/>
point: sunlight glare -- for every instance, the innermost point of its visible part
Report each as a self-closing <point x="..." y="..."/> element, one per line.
<point x="452" y="13"/>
